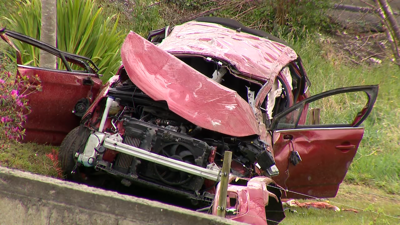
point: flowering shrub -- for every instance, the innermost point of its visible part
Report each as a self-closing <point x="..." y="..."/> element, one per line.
<point x="13" y="102"/>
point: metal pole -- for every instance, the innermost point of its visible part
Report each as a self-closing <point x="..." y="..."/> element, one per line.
<point x="223" y="185"/>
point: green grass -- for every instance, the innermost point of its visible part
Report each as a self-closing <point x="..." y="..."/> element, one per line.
<point x="374" y="206"/>
<point x="29" y="157"/>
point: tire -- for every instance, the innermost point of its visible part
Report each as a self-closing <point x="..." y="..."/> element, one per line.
<point x="74" y="140"/>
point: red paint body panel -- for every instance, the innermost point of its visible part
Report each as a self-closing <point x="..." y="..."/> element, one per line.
<point x="323" y="166"/>
<point x="52" y="118"/>
<point x="188" y="93"/>
<point x="255" y="57"/>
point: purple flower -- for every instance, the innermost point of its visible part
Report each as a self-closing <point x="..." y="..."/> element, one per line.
<point x="2" y="81"/>
<point x="4" y="119"/>
<point x="19" y="103"/>
<point x="14" y="93"/>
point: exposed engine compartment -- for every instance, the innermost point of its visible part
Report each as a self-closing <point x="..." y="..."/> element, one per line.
<point x="165" y="142"/>
<point x="137" y="123"/>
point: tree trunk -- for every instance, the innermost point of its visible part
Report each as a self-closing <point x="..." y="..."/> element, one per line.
<point x="389" y="29"/>
<point x="48" y="32"/>
<point x="392" y="20"/>
<point x="352" y="8"/>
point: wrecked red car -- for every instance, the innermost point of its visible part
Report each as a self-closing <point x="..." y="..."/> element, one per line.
<point x="185" y="95"/>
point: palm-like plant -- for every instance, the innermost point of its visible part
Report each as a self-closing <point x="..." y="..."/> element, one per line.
<point x="81" y="29"/>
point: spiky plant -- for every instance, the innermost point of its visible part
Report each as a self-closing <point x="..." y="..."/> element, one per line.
<point x="81" y="29"/>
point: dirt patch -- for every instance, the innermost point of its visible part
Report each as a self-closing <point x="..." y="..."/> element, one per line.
<point x="357" y="48"/>
<point x="360" y="37"/>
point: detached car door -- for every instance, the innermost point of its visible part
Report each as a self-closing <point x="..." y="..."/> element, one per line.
<point x="313" y="156"/>
<point x="65" y="96"/>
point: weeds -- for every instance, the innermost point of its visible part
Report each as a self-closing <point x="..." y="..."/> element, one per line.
<point x="53" y="156"/>
<point x="29" y="157"/>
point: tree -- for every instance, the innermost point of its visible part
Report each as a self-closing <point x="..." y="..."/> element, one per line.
<point x="392" y="20"/>
<point x="48" y="32"/>
<point x="390" y="24"/>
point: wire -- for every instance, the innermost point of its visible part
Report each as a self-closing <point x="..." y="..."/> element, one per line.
<point x="287" y="172"/>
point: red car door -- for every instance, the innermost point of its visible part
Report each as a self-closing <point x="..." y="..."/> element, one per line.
<point x="313" y="159"/>
<point x="52" y="114"/>
<point x="65" y="94"/>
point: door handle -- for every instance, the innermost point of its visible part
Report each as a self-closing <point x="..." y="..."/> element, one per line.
<point x="345" y="147"/>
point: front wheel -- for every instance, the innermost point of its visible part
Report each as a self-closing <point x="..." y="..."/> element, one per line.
<point x="75" y="140"/>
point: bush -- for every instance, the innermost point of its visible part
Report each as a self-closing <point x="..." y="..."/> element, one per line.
<point x="282" y="17"/>
<point x="81" y="27"/>
<point x="297" y="16"/>
<point x="13" y="103"/>
<point x="278" y="17"/>
<point x="146" y="17"/>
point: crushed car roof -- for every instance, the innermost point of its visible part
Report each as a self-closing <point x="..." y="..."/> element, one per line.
<point x="256" y="57"/>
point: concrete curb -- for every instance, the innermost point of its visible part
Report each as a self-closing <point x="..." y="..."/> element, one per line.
<point x="27" y="198"/>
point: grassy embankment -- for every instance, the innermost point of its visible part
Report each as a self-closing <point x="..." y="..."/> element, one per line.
<point x="377" y="163"/>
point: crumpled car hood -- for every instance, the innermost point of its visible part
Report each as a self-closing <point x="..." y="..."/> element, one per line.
<point x="188" y="93"/>
<point x="255" y="57"/>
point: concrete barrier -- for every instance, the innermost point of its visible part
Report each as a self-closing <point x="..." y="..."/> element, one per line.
<point x="27" y="198"/>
